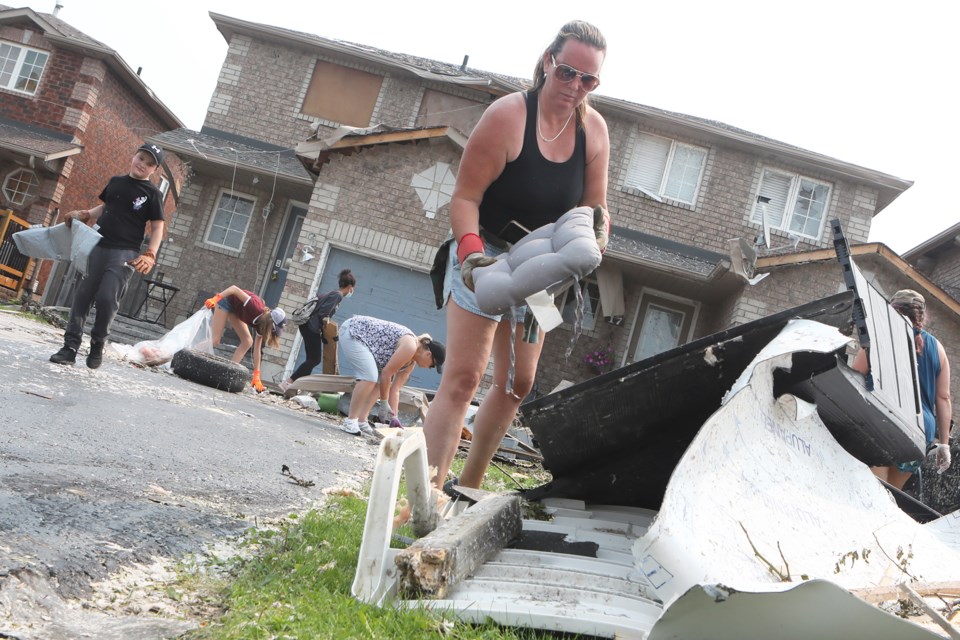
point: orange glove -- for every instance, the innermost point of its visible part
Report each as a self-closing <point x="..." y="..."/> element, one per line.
<point x="212" y="302"/>
<point x="257" y="384"/>
<point x="144" y="262"/>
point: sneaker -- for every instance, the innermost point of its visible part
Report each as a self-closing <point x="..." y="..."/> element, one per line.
<point x="95" y="357"/>
<point x="350" y="426"/>
<point x="66" y="355"/>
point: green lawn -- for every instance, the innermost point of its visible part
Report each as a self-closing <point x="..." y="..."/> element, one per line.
<point x="296" y="582"/>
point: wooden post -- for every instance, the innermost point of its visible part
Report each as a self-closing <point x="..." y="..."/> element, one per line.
<point x="434" y="564"/>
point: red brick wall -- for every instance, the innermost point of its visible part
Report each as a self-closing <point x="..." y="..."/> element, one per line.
<point x="55" y="94"/>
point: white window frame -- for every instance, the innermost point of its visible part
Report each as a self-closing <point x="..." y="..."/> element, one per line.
<point x="780" y="220"/>
<point x="637" y="323"/>
<point x="16" y="70"/>
<point x="589" y="321"/>
<point x="19" y="196"/>
<point x="632" y="177"/>
<point x="216" y="209"/>
<point x="164" y="188"/>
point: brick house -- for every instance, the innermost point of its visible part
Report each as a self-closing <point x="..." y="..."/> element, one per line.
<point x="939" y="259"/>
<point x="687" y="196"/>
<point x="72" y="113"/>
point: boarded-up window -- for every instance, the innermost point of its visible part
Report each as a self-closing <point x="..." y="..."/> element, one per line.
<point x="342" y="95"/>
<point x="443" y="109"/>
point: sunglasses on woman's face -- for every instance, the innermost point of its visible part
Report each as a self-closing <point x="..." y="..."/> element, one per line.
<point x="565" y="74"/>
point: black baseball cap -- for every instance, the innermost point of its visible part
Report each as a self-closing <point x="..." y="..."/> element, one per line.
<point x="439" y="353"/>
<point x="153" y="150"/>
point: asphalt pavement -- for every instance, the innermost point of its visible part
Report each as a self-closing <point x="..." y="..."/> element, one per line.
<point x="125" y="466"/>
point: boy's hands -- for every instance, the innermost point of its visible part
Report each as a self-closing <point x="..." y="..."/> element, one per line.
<point x="144" y="262"/>
<point x="82" y="216"/>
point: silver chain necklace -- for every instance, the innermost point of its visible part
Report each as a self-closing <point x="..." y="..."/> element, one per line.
<point x="562" y="129"/>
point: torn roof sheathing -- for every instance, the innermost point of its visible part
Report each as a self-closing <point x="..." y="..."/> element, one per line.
<point x="617" y="438"/>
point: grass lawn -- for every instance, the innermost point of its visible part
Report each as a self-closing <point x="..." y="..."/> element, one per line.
<point x="296" y="581"/>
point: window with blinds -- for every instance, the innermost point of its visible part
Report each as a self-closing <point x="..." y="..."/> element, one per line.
<point x="791" y="203"/>
<point x="665" y="169"/>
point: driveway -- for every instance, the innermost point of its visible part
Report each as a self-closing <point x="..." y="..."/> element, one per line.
<point x="130" y="468"/>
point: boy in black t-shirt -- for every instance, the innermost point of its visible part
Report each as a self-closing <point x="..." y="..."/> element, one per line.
<point x="131" y="203"/>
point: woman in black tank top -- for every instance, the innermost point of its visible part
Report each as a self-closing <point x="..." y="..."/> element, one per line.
<point x="532" y="157"/>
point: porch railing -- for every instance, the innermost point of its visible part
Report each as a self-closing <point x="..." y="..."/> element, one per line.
<point x="14" y="266"/>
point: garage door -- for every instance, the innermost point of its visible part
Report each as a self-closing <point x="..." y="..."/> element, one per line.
<point x="389" y="292"/>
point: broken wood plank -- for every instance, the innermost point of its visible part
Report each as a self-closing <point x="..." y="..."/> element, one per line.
<point x="935" y="615"/>
<point x="434" y="564"/>
<point x="411" y="399"/>
<point x="320" y="383"/>
<point x="876" y="595"/>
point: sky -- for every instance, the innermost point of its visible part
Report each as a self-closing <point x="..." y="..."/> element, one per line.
<point x="868" y="82"/>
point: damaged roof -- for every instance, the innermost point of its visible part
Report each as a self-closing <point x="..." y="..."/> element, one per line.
<point x="637" y="246"/>
<point x="228" y="150"/>
<point x="889" y="187"/>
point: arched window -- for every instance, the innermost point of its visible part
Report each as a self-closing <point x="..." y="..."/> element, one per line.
<point x="20" y="185"/>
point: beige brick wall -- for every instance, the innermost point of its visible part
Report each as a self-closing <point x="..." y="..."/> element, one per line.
<point x="728" y="189"/>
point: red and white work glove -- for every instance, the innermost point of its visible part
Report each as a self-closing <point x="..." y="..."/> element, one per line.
<point x="210" y="303"/>
<point x="601" y="227"/>
<point x="257" y="383"/>
<point x="943" y="457"/>
<point x="144" y="262"/>
<point x="470" y="255"/>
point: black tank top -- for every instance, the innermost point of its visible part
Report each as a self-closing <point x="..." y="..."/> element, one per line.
<point x="531" y="189"/>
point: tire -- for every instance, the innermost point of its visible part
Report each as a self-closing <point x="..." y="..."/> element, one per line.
<point x="210" y="370"/>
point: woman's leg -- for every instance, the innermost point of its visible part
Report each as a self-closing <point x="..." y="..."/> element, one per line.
<point x="313" y="347"/>
<point x="499" y="406"/>
<point x="469" y="339"/>
<point x="217" y="324"/>
<point x="362" y="399"/>
<point x="246" y="340"/>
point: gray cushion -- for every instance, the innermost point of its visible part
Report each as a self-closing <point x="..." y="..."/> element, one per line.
<point x="550" y="258"/>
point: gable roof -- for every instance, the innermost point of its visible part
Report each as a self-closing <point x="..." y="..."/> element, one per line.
<point x="889" y="187"/>
<point x="878" y="249"/>
<point x="67" y="37"/>
<point x="937" y="243"/>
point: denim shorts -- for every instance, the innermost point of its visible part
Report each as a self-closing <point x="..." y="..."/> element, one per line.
<point x="466" y="299"/>
<point x="358" y="358"/>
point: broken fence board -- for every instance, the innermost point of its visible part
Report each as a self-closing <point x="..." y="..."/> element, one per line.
<point x="434" y="564"/>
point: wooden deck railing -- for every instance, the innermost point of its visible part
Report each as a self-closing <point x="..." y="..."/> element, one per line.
<point x="14" y="266"/>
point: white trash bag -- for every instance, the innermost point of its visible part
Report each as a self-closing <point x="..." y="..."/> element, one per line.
<point x="193" y="333"/>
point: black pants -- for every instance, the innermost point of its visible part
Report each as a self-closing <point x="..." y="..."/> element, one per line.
<point x="105" y="283"/>
<point x="313" y="345"/>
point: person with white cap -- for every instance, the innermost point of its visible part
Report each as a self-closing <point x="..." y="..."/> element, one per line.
<point x="131" y="207"/>
<point x="933" y="371"/>
<point x="245" y="309"/>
